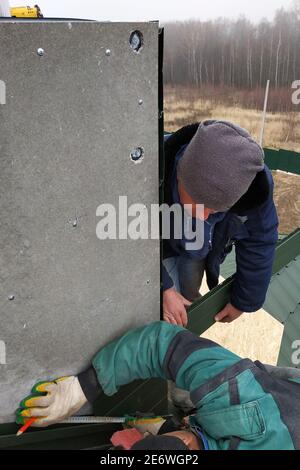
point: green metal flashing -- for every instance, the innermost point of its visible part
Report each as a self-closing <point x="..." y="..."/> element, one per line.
<point x="283" y="303"/>
<point x="202" y="312"/>
<point x="289" y="354"/>
<point x="228" y="267"/>
<point x="56" y="437"/>
<point x="287" y="250"/>
<point x="283" y="294"/>
<point x="132" y="398"/>
<point x="283" y="160"/>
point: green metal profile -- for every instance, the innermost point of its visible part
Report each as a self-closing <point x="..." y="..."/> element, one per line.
<point x="283" y="160"/>
<point x="290" y="341"/>
<point x="287" y="250"/>
<point x="130" y="399"/>
<point x="76" y="437"/>
<point x="202" y="312"/>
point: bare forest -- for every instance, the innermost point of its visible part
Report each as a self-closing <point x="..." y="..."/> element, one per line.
<point x="219" y="70"/>
<point x="236" y="54"/>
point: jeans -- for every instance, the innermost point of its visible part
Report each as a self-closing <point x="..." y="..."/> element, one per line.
<point x="187" y="274"/>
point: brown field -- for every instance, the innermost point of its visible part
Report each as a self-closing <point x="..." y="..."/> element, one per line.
<point x="258" y="335"/>
<point x="184" y="106"/>
<point x="287" y="200"/>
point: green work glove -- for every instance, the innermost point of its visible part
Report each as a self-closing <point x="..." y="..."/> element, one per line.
<point x="52" y="402"/>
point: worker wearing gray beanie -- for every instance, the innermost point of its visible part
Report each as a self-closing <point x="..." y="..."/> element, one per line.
<point x="219" y="164"/>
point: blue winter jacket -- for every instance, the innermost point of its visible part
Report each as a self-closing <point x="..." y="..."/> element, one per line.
<point x="251" y="225"/>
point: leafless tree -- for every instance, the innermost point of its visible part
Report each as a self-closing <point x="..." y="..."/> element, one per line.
<point x="234" y="53"/>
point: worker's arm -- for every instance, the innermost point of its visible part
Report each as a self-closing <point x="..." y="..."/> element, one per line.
<point x="158" y="350"/>
<point x="254" y="257"/>
<point x="166" y="279"/>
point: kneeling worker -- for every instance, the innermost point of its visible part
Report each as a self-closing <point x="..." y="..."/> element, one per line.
<point x="239" y="404"/>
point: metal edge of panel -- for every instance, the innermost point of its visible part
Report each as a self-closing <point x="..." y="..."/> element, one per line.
<point x="161" y="143"/>
<point x="13" y="19"/>
<point x="201" y="314"/>
<point x="161" y="107"/>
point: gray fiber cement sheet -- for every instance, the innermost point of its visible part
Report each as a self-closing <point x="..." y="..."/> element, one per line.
<point x="79" y="99"/>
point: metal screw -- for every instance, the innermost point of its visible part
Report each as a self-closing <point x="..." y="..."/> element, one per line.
<point x="108" y="52"/>
<point x="136" y="40"/>
<point x="40" y="51"/>
<point x="75" y="223"/>
<point x="137" y="154"/>
<point x="11" y="297"/>
<point x="140" y="102"/>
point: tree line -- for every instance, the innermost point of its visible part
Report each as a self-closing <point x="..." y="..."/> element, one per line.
<point x="234" y="53"/>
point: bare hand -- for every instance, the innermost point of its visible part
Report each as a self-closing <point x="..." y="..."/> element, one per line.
<point x="174" y="307"/>
<point x="228" y="314"/>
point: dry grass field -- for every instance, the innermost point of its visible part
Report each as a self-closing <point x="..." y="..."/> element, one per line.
<point x="287" y="200"/>
<point x="258" y="335"/>
<point x="184" y="106"/>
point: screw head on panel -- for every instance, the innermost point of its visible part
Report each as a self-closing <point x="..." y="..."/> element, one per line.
<point x="11" y="297"/>
<point x="108" y="52"/>
<point x="137" y="154"/>
<point x="136" y="40"/>
<point x="40" y="51"/>
<point x="141" y="102"/>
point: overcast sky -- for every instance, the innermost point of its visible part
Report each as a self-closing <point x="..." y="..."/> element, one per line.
<point x="163" y="10"/>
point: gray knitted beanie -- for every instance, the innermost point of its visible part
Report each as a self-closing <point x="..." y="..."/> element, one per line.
<point x="219" y="164"/>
